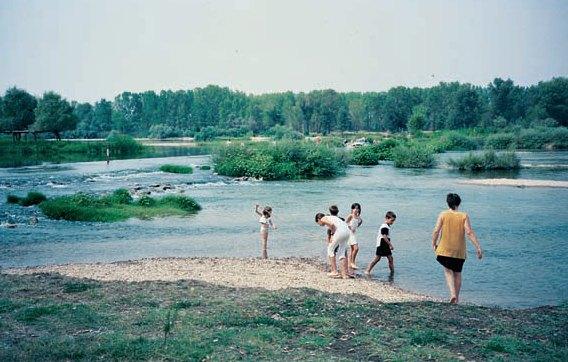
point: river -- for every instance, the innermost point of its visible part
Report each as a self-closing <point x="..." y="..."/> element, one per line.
<point x="524" y="231"/>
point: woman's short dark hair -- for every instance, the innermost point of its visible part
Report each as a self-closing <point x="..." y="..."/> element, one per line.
<point x="319" y="215"/>
<point x="334" y="210"/>
<point x="453" y="200"/>
<point x="356" y="205"/>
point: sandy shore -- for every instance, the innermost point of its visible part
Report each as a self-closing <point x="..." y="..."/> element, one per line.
<point x="272" y="274"/>
<point x="517" y="183"/>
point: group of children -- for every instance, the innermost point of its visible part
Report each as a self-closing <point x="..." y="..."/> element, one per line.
<point x="342" y="242"/>
<point x="342" y="245"/>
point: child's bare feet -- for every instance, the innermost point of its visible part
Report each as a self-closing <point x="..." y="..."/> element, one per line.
<point x="333" y="275"/>
<point x="367" y="273"/>
<point x="353" y="266"/>
<point x="453" y="300"/>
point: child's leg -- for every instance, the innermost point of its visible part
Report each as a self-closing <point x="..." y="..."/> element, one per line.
<point x="372" y="264"/>
<point x="391" y="263"/>
<point x="457" y="284"/>
<point x="332" y="265"/>
<point x="264" y="244"/>
<point x="449" y="274"/>
<point x="344" y="268"/>
<point x="353" y="255"/>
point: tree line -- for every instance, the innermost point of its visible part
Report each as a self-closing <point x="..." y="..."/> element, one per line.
<point x="213" y="111"/>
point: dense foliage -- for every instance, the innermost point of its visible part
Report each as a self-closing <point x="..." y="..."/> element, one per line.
<point x="32" y="198"/>
<point x="280" y="161"/>
<point x="116" y="207"/>
<point x="176" y="169"/>
<point x="214" y="111"/>
<point x="413" y="156"/>
<point x="489" y="160"/>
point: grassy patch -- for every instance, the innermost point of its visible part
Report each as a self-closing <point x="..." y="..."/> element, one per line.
<point x="32" y="198"/>
<point x="489" y="160"/>
<point x="413" y="156"/>
<point x="189" y="320"/>
<point x="281" y="161"/>
<point x="117" y="206"/>
<point x="176" y="169"/>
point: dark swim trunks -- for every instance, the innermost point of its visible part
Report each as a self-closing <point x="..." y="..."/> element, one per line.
<point x="453" y="264"/>
<point x="383" y="249"/>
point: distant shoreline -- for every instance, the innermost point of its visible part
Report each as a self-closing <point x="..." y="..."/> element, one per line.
<point x="516" y="183"/>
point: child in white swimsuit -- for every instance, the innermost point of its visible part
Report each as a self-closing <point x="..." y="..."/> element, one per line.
<point x="354" y="221"/>
<point x="339" y="239"/>
<point x="265" y="224"/>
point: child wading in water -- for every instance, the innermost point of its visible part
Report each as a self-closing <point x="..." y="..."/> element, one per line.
<point x="265" y="223"/>
<point x="340" y="236"/>
<point x="384" y="245"/>
<point x="354" y="221"/>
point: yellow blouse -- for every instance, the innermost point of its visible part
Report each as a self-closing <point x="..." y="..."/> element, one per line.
<point x="452" y="243"/>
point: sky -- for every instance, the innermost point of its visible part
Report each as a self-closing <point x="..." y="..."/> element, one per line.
<point x="92" y="49"/>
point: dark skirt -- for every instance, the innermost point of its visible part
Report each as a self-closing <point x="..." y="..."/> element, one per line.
<point x="383" y="249"/>
<point x="453" y="264"/>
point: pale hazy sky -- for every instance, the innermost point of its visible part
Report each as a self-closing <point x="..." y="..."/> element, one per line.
<point x="87" y="50"/>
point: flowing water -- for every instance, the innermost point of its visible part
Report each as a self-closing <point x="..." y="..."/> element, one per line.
<point x="524" y="231"/>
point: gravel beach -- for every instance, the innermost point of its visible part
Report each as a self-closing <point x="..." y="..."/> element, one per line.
<point x="271" y="274"/>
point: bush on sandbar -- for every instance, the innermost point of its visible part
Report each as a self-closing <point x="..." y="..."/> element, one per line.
<point x="176" y="169"/>
<point x="281" y="161"/>
<point x="117" y="206"/>
<point x="413" y="156"/>
<point x="489" y="160"/>
<point x="33" y="198"/>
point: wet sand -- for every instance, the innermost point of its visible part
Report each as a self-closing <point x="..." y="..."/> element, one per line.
<point x="272" y="274"/>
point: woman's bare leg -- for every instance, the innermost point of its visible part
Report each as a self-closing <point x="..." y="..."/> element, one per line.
<point x="449" y="274"/>
<point x="457" y="284"/>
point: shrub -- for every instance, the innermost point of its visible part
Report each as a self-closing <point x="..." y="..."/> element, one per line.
<point x="489" y="160"/>
<point x="176" y="169"/>
<point x="279" y="132"/>
<point x="206" y="134"/>
<point x="205" y="167"/>
<point x="281" y="161"/>
<point x="115" y="207"/>
<point x="500" y="141"/>
<point x="121" y="144"/>
<point x="161" y="131"/>
<point x="13" y="199"/>
<point x="543" y="138"/>
<point x="33" y="198"/>
<point x="364" y="156"/>
<point x="454" y="141"/>
<point x="413" y="157"/>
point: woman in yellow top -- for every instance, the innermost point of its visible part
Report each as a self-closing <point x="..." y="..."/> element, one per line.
<point x="453" y="225"/>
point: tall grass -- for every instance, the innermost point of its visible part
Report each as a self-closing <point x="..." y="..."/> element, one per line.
<point x="32" y="198"/>
<point x="176" y="169"/>
<point x="117" y="206"/>
<point x="280" y="161"/>
<point x="413" y="156"/>
<point x="489" y="160"/>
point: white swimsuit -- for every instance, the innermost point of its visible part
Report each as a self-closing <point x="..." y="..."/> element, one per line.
<point x="265" y="223"/>
<point x="353" y="226"/>
<point x="339" y="238"/>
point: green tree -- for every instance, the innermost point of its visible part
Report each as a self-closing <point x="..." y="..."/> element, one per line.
<point x="17" y="110"/>
<point x="417" y="120"/>
<point x="54" y="114"/>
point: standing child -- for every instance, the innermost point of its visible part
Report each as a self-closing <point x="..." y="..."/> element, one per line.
<point x="354" y="221"/>
<point x="265" y="223"/>
<point x="384" y="245"/>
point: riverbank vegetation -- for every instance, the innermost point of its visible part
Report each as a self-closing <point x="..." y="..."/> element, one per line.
<point x="280" y="161"/>
<point x="52" y="317"/>
<point x="413" y="156"/>
<point x="32" y="198"/>
<point x="30" y="152"/>
<point x="117" y="206"/>
<point x="176" y="169"/>
<point x="488" y="160"/>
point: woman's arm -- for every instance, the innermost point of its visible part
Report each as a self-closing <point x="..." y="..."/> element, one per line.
<point x="436" y="232"/>
<point x="256" y="210"/>
<point x="471" y="235"/>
